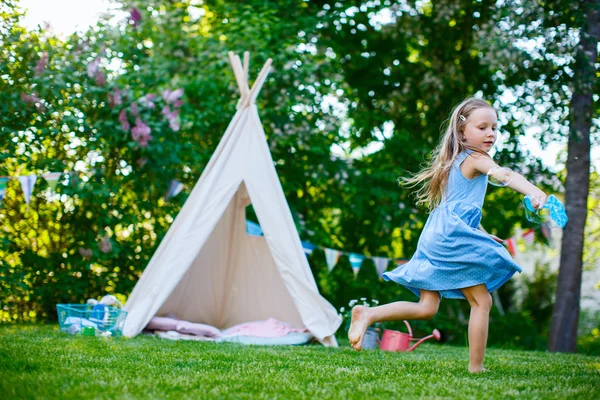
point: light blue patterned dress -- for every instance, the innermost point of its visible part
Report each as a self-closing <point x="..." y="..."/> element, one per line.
<point x="452" y="253"/>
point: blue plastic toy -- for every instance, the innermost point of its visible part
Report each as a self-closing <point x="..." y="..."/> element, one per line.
<point x="553" y="212"/>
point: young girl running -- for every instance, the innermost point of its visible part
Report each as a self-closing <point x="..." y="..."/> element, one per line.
<point x="455" y="257"/>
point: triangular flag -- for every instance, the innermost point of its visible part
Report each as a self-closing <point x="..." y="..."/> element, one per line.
<point x="381" y="264"/>
<point x="529" y="236"/>
<point x="401" y="262"/>
<point x="355" y="261"/>
<point x="332" y="257"/>
<point x="3" y="183"/>
<point x="73" y="178"/>
<point x="27" y="184"/>
<point x="253" y="229"/>
<point x="511" y="246"/>
<point x="546" y="231"/>
<point x="308" y="248"/>
<point x="52" y="179"/>
<point x="174" y="188"/>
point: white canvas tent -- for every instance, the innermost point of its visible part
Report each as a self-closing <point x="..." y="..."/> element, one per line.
<point x="207" y="269"/>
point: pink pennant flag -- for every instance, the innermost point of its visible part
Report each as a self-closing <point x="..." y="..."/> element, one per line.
<point x="511" y="246"/>
<point x="27" y="184"/>
<point x="332" y="257"/>
<point x="401" y="262"/>
<point x="529" y="236"/>
<point x="381" y="264"/>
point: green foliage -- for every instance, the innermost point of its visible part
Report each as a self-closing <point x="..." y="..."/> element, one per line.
<point x="70" y="111"/>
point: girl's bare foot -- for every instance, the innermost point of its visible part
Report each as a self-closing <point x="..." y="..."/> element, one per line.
<point x="478" y="370"/>
<point x="358" y="326"/>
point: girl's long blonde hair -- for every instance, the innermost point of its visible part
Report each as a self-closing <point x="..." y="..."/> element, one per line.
<point x="435" y="176"/>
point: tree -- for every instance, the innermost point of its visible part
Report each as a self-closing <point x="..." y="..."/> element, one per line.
<point x="565" y="316"/>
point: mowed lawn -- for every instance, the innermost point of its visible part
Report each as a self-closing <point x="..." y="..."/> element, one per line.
<point x="38" y="362"/>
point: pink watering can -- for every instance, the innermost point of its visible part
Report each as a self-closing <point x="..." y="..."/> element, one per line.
<point x="398" y="341"/>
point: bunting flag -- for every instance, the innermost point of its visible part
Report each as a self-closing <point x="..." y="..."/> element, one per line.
<point x="73" y="178"/>
<point x="175" y="187"/>
<point x="308" y="248"/>
<point x="52" y="179"/>
<point x="381" y="264"/>
<point x="529" y="236"/>
<point x="253" y="229"/>
<point x="401" y="262"/>
<point x="3" y="183"/>
<point x="546" y="231"/>
<point x="511" y="246"/>
<point x="27" y="184"/>
<point x="332" y="257"/>
<point x="355" y="261"/>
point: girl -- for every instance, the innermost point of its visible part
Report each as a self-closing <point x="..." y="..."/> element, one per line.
<point x="453" y="258"/>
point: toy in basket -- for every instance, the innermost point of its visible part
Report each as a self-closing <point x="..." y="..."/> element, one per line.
<point x="398" y="341"/>
<point x="96" y="318"/>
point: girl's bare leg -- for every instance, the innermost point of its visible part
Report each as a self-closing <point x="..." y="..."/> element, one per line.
<point x="481" y="303"/>
<point x="362" y="316"/>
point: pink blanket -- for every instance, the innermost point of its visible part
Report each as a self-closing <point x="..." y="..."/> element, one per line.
<point x="268" y="328"/>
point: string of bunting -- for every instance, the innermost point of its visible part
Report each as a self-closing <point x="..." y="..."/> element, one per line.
<point x="28" y="183"/>
<point x="332" y="256"/>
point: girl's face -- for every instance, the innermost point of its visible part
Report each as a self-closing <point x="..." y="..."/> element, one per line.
<point x="480" y="129"/>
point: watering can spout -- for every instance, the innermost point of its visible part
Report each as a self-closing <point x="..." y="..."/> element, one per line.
<point x="436" y="334"/>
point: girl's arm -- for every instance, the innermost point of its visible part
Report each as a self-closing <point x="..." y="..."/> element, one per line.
<point x="516" y="181"/>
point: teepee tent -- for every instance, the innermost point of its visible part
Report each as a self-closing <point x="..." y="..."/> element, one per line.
<point x="208" y="269"/>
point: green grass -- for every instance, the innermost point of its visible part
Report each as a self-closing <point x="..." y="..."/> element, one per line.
<point x="39" y="362"/>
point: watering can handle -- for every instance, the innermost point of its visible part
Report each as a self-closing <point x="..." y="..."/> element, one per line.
<point x="408" y="326"/>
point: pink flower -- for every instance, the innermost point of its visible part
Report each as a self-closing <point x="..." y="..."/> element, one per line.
<point x="85" y="253"/>
<point x="100" y="78"/>
<point x="136" y="16"/>
<point x="174" y="124"/>
<point x="171" y="96"/>
<point x="173" y="117"/>
<point x="123" y="120"/>
<point x="141" y="162"/>
<point x="105" y="246"/>
<point x="143" y="142"/>
<point x="92" y="68"/>
<point x="148" y="100"/>
<point x="30" y="98"/>
<point x="33" y="99"/>
<point x="40" y="66"/>
<point x="141" y="132"/>
<point x="115" y="99"/>
<point x="178" y="104"/>
<point x="134" y="109"/>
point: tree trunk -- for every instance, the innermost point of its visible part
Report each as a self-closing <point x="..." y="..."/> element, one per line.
<point x="565" y="316"/>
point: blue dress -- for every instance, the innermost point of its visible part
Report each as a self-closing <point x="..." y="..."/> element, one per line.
<point x="452" y="253"/>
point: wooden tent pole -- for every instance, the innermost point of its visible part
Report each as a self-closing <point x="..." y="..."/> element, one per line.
<point x="258" y="83"/>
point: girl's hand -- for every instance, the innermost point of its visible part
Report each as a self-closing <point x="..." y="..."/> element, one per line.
<point x="496" y="238"/>
<point x="538" y="199"/>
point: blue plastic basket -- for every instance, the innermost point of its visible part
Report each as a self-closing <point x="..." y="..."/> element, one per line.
<point x="91" y="320"/>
